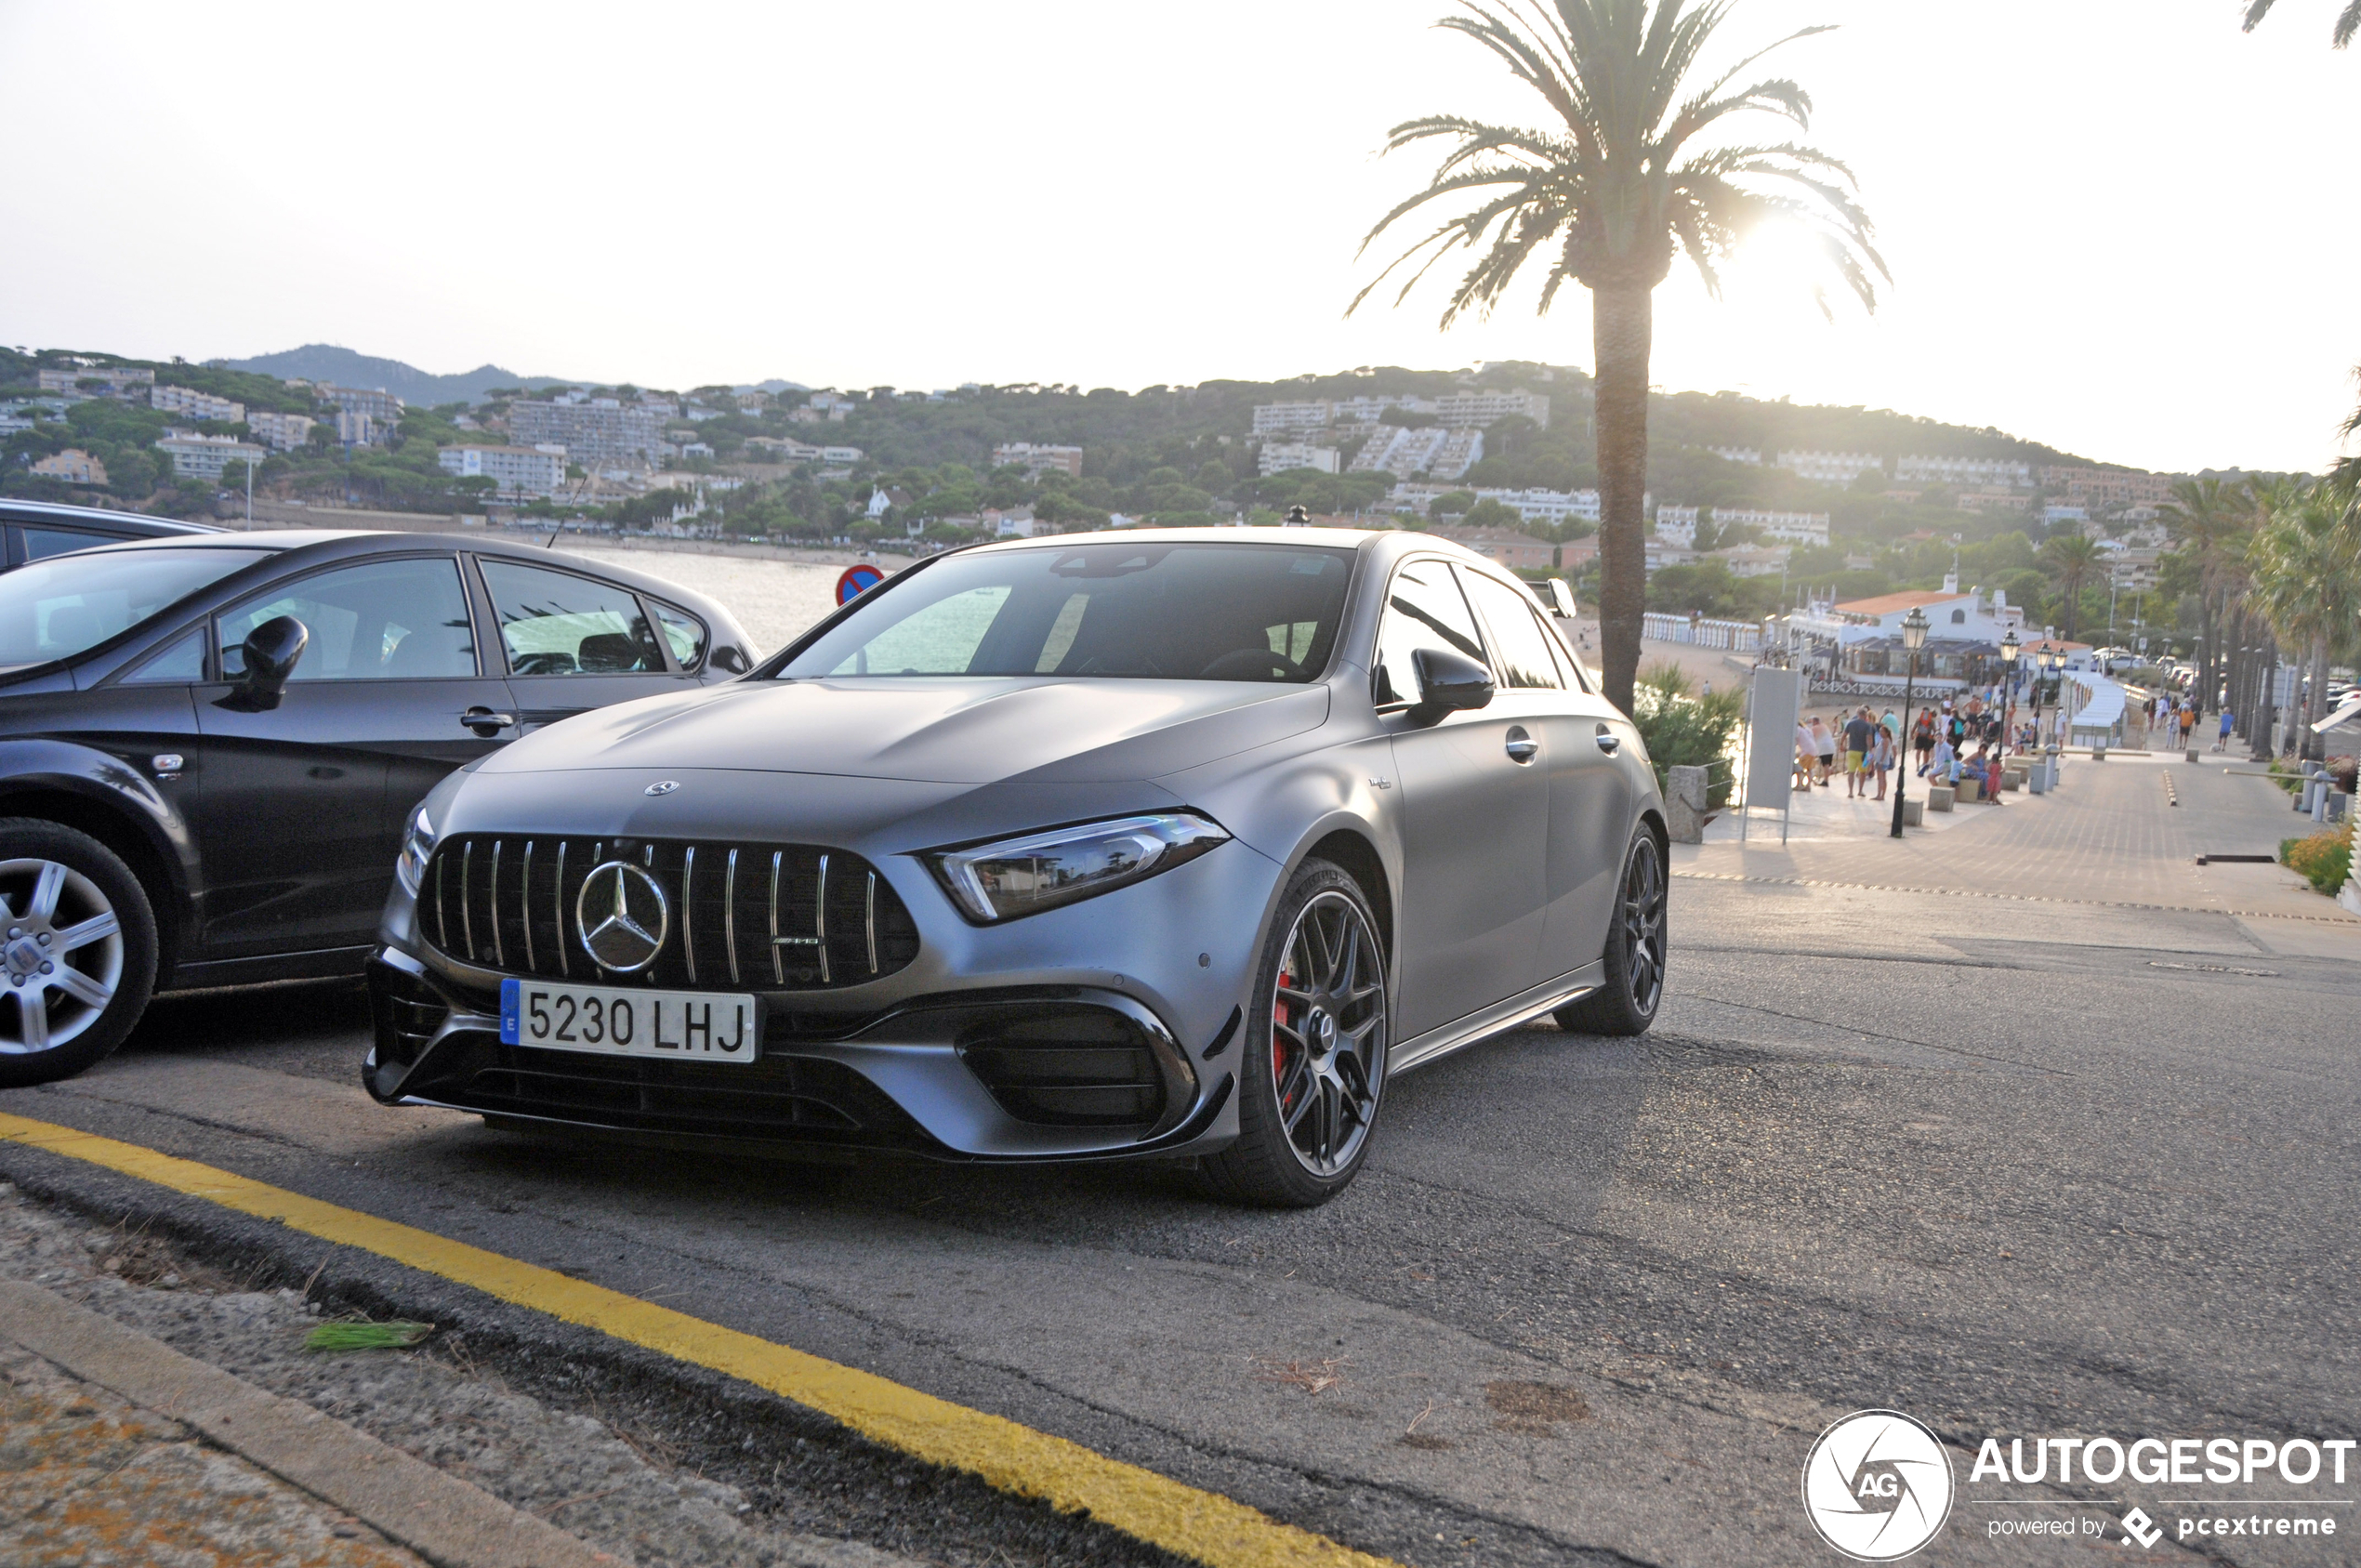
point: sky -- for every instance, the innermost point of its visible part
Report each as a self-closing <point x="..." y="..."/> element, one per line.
<point x="2114" y="226"/>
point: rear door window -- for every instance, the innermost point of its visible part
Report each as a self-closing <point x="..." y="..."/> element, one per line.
<point x="1519" y="646"/>
<point x="555" y="623"/>
<point x="41" y="543"/>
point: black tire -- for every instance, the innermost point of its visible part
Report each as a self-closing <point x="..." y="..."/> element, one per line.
<point x="1627" y="1000"/>
<point x="1312" y="1068"/>
<point x="93" y="974"/>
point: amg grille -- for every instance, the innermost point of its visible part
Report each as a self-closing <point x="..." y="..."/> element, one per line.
<point x="743" y="916"/>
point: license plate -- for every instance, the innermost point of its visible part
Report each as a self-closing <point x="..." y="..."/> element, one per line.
<point x="668" y="1025"/>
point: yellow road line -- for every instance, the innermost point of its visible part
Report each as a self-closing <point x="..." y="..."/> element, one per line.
<point x="1207" y="1526"/>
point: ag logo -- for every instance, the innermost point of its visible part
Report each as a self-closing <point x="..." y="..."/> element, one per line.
<point x="1877" y="1485"/>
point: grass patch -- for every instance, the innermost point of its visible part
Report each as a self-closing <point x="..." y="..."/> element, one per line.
<point x="340" y="1337"/>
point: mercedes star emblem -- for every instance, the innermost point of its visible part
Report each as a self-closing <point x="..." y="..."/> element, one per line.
<point x="662" y="787"/>
<point x="623" y="917"/>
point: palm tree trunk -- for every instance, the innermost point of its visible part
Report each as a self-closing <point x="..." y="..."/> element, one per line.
<point x="1622" y="329"/>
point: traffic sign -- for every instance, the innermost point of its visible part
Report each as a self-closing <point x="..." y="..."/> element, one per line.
<point x="856" y="581"/>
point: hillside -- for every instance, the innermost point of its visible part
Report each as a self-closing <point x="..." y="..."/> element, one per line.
<point x="343" y="367"/>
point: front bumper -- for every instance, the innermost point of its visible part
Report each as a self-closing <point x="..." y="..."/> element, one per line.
<point x="998" y="1043"/>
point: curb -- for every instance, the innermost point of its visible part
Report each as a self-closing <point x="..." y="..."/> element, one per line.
<point x="444" y="1520"/>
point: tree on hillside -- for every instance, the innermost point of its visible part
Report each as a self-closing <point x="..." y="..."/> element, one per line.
<point x="2348" y="23"/>
<point x="1605" y="190"/>
<point x="2074" y="563"/>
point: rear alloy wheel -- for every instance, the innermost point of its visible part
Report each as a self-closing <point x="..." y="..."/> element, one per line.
<point x="77" y="952"/>
<point x="1315" y="1076"/>
<point x="1626" y="999"/>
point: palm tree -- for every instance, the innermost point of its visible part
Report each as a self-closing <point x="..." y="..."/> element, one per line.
<point x="2075" y="561"/>
<point x="2306" y="565"/>
<point x="1603" y="192"/>
<point x="2208" y="519"/>
<point x="2347" y="24"/>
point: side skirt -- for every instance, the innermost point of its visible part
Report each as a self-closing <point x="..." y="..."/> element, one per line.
<point x="1522" y="1009"/>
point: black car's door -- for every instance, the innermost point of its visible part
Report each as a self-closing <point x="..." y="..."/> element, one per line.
<point x="1590" y="796"/>
<point x="300" y="808"/>
<point x="573" y="642"/>
<point x="1475" y="815"/>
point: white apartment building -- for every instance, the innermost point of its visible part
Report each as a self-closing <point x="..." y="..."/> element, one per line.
<point x="196" y="457"/>
<point x="1752" y="456"/>
<point x="1278" y="456"/>
<point x="1992" y="501"/>
<point x="517" y="470"/>
<point x="1678" y="525"/>
<point x="598" y="434"/>
<point x="1037" y="460"/>
<point x="1829" y="468"/>
<point x="87" y="381"/>
<point x="1285" y="419"/>
<point x="1430" y="450"/>
<point x="360" y="430"/>
<point x="1483" y="408"/>
<point x="1985" y="473"/>
<point x="280" y="432"/>
<point x="375" y="401"/>
<point x="189" y="403"/>
<point x="1555" y="507"/>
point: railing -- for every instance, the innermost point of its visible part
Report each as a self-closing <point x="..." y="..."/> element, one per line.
<point x="1736" y="636"/>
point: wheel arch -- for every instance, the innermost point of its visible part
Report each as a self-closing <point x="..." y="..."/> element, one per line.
<point x="1353" y="852"/>
<point x="140" y="842"/>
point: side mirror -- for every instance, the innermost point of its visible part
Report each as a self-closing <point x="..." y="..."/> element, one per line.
<point x="1561" y="598"/>
<point x="272" y="651"/>
<point x="1450" y="682"/>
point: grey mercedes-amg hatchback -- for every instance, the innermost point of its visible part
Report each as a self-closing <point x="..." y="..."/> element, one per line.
<point x="1160" y="843"/>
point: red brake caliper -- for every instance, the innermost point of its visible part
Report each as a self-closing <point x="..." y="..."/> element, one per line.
<point x="1278" y="1016"/>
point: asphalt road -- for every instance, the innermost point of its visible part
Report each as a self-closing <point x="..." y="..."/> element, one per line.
<point x="2016" y="1168"/>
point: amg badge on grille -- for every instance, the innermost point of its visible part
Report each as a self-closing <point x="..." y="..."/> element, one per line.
<point x="624" y="916"/>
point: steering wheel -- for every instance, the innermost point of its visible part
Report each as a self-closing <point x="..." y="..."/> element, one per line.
<point x="1252" y="663"/>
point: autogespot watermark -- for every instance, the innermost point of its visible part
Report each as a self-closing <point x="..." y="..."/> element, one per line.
<point x="1877" y="1486"/>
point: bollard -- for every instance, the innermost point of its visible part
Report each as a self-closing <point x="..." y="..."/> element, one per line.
<point x="2339" y="806"/>
<point x="1685" y="805"/>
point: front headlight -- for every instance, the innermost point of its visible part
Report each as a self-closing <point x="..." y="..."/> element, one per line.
<point x="417" y="848"/>
<point x="1001" y="882"/>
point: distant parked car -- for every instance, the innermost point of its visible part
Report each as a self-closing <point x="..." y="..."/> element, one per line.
<point x="212" y="743"/>
<point x="37" y="530"/>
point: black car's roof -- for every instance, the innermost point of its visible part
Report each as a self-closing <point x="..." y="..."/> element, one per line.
<point x="21" y="511"/>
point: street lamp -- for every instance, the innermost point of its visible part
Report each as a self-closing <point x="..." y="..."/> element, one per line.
<point x="2010" y="649"/>
<point x="1914" y="636"/>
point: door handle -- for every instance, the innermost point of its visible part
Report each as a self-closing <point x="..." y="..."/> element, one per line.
<point x="1521" y="748"/>
<point x="482" y="720"/>
<point x="1609" y="742"/>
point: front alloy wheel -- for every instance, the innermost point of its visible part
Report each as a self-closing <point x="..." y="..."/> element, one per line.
<point x="77" y="952"/>
<point x="1632" y="988"/>
<point x="1313" y="1083"/>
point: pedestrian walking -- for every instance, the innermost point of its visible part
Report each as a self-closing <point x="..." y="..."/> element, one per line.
<point x="2221" y="741"/>
<point x="1881" y="751"/>
<point x="1858" y="732"/>
<point x="2188" y="723"/>
<point x="1824" y="747"/>
<point x="1922" y="739"/>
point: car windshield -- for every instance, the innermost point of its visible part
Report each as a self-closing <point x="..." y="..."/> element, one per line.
<point x="1113" y="611"/>
<point x="54" y="608"/>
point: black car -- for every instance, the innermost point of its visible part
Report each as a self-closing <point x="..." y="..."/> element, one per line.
<point x="37" y="530"/>
<point x="211" y="745"/>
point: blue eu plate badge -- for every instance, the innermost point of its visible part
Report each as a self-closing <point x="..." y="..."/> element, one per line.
<point x="509" y="991"/>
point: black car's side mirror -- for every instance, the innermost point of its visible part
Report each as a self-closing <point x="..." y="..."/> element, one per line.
<point x="1450" y="682"/>
<point x="272" y="651"/>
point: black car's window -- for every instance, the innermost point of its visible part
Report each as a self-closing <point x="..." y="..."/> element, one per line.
<point x="384" y="620"/>
<point x="183" y="664"/>
<point x="1423" y="609"/>
<point x="40" y="543"/>
<point x="555" y="623"/>
<point x="685" y="632"/>
<point x="1155" y="611"/>
<point x="1519" y="646"/>
<point x="55" y="609"/>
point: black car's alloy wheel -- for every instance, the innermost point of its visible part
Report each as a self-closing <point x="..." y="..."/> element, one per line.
<point x="1627" y="1000"/>
<point x="78" y="950"/>
<point x="1314" y="1077"/>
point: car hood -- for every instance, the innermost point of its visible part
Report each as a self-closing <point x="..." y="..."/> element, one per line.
<point x="970" y="731"/>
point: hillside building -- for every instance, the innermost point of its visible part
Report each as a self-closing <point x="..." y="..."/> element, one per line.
<point x="189" y="403"/>
<point x="95" y="381"/>
<point x="598" y="434"/>
<point x="196" y="457"/>
<point x="1278" y="456"/>
<point x="1508" y="548"/>
<point x="1037" y="460"/>
<point x="280" y="432"/>
<point x="380" y="405"/>
<point x="1982" y="473"/>
<point x="2106" y="487"/>
<point x="73" y="465"/>
<point x="1829" y="468"/>
<point x="517" y="471"/>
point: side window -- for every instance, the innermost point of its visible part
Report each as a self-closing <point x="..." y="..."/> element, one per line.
<point x="1423" y="609"/>
<point x="183" y="664"/>
<point x="554" y="622"/>
<point x="1520" y="645"/>
<point x="385" y="620"/>
<point x="40" y="543"/>
<point x="686" y="633"/>
<point x="1570" y="671"/>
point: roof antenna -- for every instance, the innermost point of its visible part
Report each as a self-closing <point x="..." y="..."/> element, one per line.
<point x="552" y="541"/>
